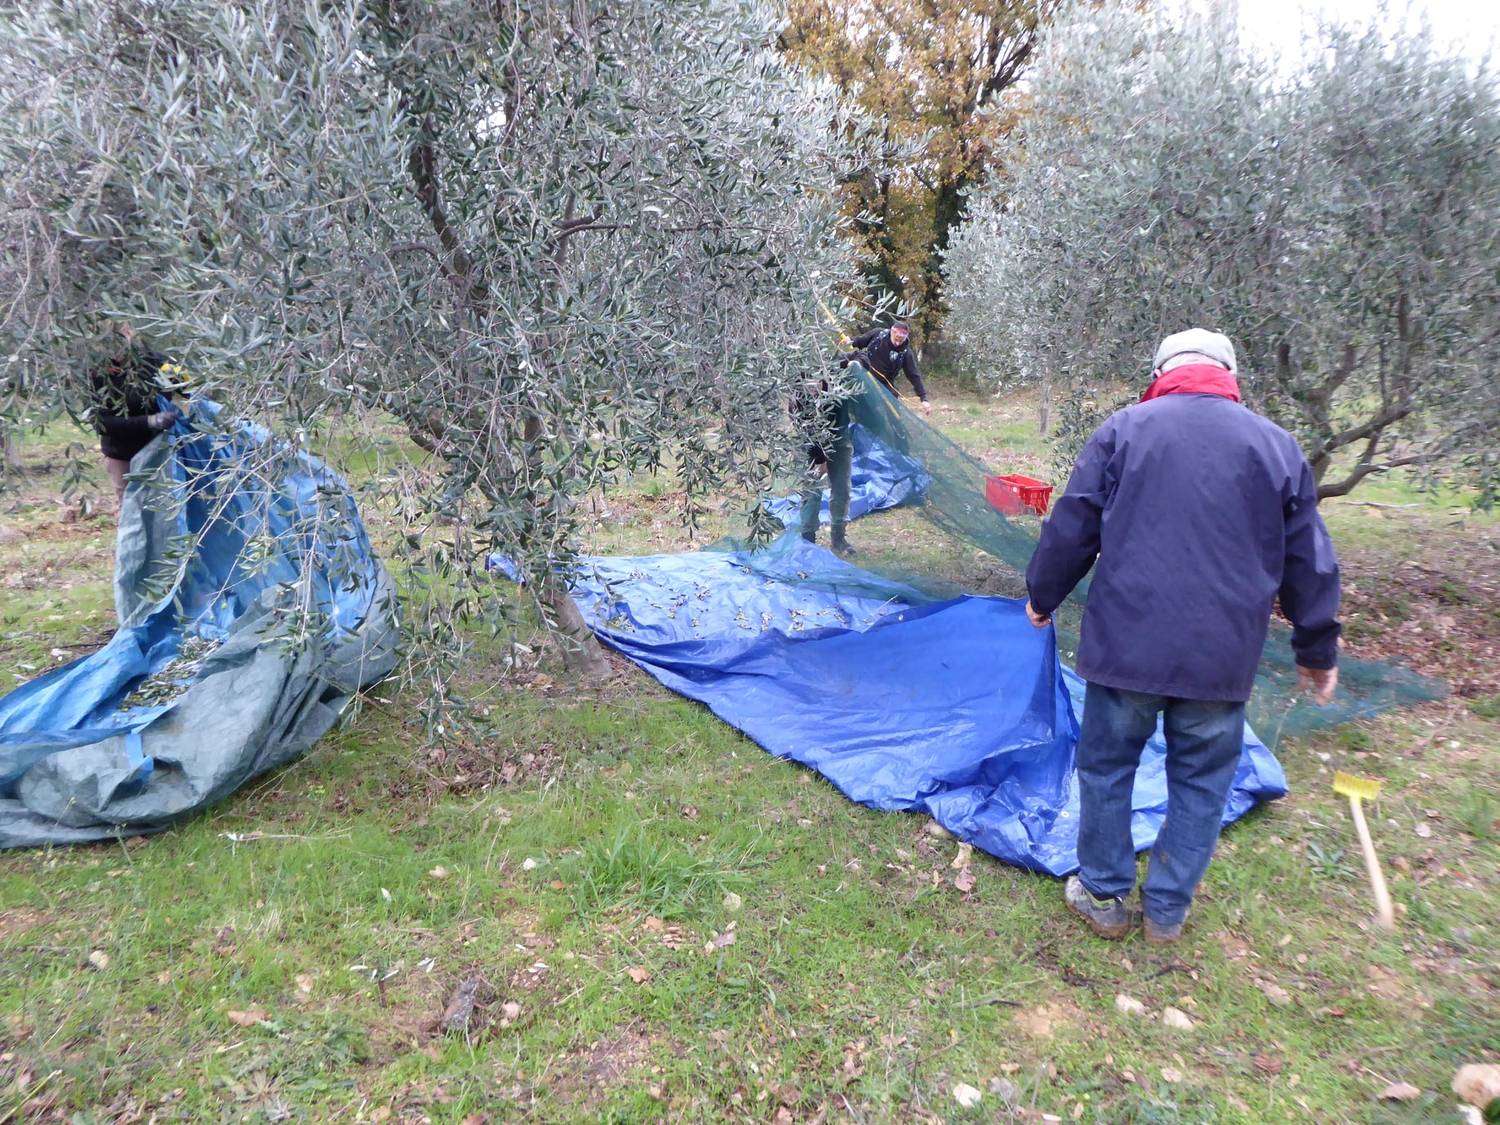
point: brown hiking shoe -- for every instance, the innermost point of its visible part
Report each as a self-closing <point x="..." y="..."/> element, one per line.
<point x="1161" y="933"/>
<point x="1107" y="917"/>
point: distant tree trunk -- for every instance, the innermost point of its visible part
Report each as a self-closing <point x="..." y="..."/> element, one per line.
<point x="10" y="452"/>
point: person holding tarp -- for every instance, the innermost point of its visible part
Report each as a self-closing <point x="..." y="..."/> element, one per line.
<point x="821" y="415"/>
<point x="124" y="389"/>
<point x="886" y="354"/>
<point x="1200" y="515"/>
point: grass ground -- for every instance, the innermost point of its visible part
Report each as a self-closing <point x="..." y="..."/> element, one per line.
<point x="658" y="921"/>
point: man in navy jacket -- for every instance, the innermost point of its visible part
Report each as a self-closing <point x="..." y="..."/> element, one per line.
<point x="1197" y="515"/>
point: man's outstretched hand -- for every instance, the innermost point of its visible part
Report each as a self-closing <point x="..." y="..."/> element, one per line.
<point x="926" y="407"/>
<point x="1040" y="620"/>
<point x="1320" y="683"/>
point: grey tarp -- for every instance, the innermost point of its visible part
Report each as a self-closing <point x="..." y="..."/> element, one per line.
<point x="242" y="543"/>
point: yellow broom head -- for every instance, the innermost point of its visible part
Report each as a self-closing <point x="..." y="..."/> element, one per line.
<point x="1365" y="788"/>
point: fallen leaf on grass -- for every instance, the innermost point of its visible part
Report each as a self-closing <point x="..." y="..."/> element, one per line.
<point x="854" y="1059"/>
<point x="304" y="983"/>
<point x="966" y="1095"/>
<point x="1399" y="1092"/>
<point x="639" y="973"/>
<point x="99" y="960"/>
<point x="964" y="857"/>
<point x="1478" y="1083"/>
<point x="733" y="902"/>
<point x="1129" y="1005"/>
<point x="1277" y="995"/>
<point x="1171" y="1074"/>
<point x="1176" y="1018"/>
<point x="438" y="872"/>
<point x="248" y="1018"/>
<point x="1424" y="830"/>
<point x="459" y="1014"/>
<point x="965" y="880"/>
<point x="721" y="941"/>
<point x="1267" y="1064"/>
<point x="1004" y="1089"/>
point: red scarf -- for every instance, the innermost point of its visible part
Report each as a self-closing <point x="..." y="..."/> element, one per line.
<point x="1195" y="379"/>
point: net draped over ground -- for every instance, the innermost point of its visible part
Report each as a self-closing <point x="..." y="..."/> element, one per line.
<point x="882" y="478"/>
<point x="906" y="697"/>
<point x="251" y="609"/>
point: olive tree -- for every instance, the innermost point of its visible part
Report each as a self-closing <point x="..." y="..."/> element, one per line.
<point x="1340" y="223"/>
<point x="553" y="241"/>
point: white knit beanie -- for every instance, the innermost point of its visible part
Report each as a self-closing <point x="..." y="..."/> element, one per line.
<point x="1212" y="344"/>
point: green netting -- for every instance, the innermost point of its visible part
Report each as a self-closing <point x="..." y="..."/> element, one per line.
<point x="981" y="551"/>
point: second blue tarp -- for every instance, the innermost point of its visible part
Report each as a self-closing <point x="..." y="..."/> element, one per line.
<point x="248" y="550"/>
<point x="958" y="709"/>
<point x="882" y="477"/>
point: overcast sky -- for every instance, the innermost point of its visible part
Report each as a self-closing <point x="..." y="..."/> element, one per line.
<point x="1471" y="25"/>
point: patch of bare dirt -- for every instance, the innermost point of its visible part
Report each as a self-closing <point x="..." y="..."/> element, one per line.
<point x="586" y="1076"/>
<point x="1045" y="1020"/>
<point x="20" y="919"/>
<point x="412" y="1011"/>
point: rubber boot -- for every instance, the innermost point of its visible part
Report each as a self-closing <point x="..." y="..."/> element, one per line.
<point x="841" y="545"/>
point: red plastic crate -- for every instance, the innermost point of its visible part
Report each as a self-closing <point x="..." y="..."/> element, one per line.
<point x="1013" y="494"/>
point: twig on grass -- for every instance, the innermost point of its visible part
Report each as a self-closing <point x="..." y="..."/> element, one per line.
<point x="252" y="837"/>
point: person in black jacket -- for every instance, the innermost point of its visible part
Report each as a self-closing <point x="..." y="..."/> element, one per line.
<point x="886" y="353"/>
<point x="125" y="388"/>
<point x="822" y="417"/>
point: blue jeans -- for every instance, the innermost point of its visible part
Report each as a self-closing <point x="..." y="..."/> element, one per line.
<point x="1204" y="740"/>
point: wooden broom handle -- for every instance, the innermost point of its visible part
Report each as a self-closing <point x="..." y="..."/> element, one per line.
<point x="1383" y="911"/>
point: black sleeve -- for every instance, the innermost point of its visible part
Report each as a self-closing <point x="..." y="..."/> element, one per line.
<point x="126" y="429"/>
<point x="915" y="375"/>
<point x="865" y="339"/>
<point x="125" y="401"/>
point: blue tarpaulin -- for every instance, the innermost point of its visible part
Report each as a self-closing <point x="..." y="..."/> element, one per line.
<point x="882" y="477"/>
<point x="253" y="552"/>
<point x="955" y="708"/>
